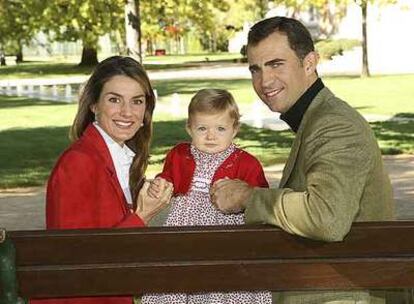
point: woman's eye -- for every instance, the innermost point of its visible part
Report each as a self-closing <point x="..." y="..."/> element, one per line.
<point x="138" y="101"/>
<point x="114" y="99"/>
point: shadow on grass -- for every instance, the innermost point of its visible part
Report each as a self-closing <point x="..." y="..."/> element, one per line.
<point x="41" y="69"/>
<point x="28" y="155"/>
<point x="207" y="62"/>
<point x="7" y="102"/>
<point x="395" y="136"/>
<point x="167" y="87"/>
<point x="268" y="146"/>
<point x="31" y="69"/>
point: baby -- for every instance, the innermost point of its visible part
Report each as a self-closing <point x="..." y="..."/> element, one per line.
<point x="213" y="122"/>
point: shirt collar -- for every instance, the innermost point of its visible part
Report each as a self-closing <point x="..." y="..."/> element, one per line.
<point x="293" y="117"/>
<point x="123" y="153"/>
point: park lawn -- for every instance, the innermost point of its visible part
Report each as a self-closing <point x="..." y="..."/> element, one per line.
<point x="381" y="95"/>
<point x="61" y="67"/>
<point x="34" y="133"/>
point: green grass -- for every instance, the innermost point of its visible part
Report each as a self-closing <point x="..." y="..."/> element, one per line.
<point x="384" y="95"/>
<point x="34" y="133"/>
<point x="38" y="68"/>
<point x="388" y="95"/>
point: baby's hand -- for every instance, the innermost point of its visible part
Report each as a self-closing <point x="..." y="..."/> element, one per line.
<point x="148" y="206"/>
<point x="158" y="187"/>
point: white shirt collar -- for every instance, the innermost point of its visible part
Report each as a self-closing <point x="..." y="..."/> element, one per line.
<point x="122" y="158"/>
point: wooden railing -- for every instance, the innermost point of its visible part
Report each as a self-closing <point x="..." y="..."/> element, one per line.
<point x="374" y="255"/>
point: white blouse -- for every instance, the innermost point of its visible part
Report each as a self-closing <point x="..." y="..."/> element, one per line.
<point x="122" y="158"/>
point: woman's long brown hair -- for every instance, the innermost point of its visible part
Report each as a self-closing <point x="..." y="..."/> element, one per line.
<point x="140" y="143"/>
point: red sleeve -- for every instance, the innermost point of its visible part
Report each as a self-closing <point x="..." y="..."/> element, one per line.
<point x="252" y="171"/>
<point x="71" y="192"/>
<point x="167" y="171"/>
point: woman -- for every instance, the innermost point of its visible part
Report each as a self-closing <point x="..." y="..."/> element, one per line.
<point x="97" y="179"/>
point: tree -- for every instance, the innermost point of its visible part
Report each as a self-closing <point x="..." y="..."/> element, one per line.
<point x="364" y="4"/>
<point x="133" y="29"/>
<point x="365" y="66"/>
<point x="173" y="19"/>
<point x="19" y="21"/>
<point x="84" y="20"/>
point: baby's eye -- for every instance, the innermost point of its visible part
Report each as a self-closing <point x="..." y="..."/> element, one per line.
<point x="221" y="129"/>
<point x="201" y="129"/>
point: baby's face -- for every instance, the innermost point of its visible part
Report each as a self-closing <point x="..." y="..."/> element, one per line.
<point x="212" y="133"/>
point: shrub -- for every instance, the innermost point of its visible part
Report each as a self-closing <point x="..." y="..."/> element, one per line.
<point x="329" y="48"/>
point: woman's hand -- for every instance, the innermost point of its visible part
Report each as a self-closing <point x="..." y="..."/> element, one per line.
<point x="148" y="206"/>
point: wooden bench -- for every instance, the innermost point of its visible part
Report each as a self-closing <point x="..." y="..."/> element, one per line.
<point x="375" y="255"/>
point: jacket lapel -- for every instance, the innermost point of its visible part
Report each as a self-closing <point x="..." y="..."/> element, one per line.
<point x="287" y="170"/>
<point x="290" y="164"/>
<point x="95" y="139"/>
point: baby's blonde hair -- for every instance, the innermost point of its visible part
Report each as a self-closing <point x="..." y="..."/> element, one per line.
<point x="211" y="101"/>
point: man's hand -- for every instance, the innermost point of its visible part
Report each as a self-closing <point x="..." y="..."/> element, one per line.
<point x="147" y="206"/>
<point x="230" y="195"/>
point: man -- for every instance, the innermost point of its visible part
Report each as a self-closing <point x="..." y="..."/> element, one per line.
<point x="334" y="174"/>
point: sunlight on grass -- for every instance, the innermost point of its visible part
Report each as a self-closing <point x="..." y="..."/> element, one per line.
<point x="33" y="133"/>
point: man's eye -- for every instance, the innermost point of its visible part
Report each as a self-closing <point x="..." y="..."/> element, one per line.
<point x="253" y="71"/>
<point x="276" y="64"/>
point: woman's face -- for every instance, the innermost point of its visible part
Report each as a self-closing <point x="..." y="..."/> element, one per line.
<point x="120" y="108"/>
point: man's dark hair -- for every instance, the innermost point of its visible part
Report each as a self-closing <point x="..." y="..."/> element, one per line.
<point x="299" y="38"/>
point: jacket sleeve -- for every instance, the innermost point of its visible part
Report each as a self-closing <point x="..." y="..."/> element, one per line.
<point x="167" y="171"/>
<point x="336" y="166"/>
<point x="253" y="172"/>
<point x="73" y="190"/>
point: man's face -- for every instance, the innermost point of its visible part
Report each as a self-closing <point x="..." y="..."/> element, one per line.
<point x="279" y="77"/>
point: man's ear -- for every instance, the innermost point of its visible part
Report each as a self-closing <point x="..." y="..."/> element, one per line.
<point x="310" y="62"/>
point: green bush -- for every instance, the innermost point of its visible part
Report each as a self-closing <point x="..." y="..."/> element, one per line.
<point x="329" y="48"/>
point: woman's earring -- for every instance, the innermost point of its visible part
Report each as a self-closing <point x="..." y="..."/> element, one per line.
<point x="142" y="124"/>
<point x="96" y="117"/>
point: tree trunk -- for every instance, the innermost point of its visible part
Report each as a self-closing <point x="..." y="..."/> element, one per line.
<point x="133" y="29"/>
<point x="365" y="66"/>
<point x="2" y="58"/>
<point x="89" y="56"/>
<point x="19" y="54"/>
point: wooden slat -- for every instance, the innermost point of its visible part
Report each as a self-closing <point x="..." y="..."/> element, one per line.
<point x="224" y="276"/>
<point x="132" y="261"/>
<point x="206" y="243"/>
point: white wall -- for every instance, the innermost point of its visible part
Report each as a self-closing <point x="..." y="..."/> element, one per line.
<point x="390" y="35"/>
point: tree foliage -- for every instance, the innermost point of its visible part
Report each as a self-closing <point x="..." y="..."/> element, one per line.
<point x="84" y="20"/>
<point x="20" y="19"/>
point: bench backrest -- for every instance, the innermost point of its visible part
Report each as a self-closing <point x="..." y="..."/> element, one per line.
<point x="133" y="261"/>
